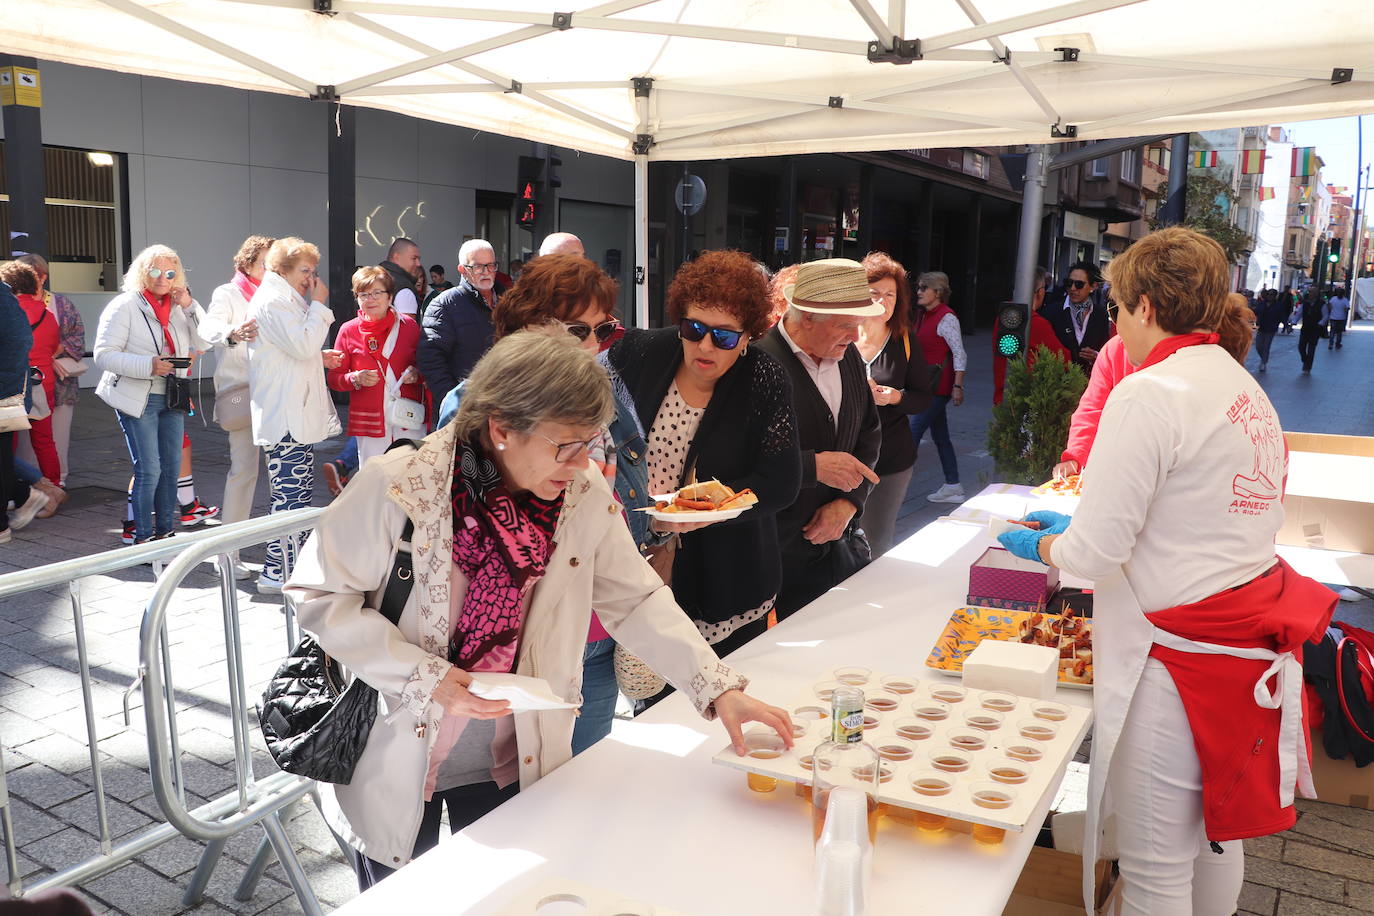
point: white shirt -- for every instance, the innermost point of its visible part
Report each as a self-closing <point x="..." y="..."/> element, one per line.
<point x="405" y="303"/>
<point x="1339" y="308"/>
<point x="826" y="374"/>
<point x="1182" y="490"/>
<point x="1073" y="310"/>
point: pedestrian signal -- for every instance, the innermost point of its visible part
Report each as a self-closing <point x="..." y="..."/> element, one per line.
<point x="528" y="189"/>
<point x="1013" y="328"/>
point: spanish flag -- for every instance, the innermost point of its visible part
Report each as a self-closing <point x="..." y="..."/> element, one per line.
<point x="1266" y="194"/>
<point x="1203" y="159"/>
<point x="1251" y="161"/>
<point x="1304" y="161"/>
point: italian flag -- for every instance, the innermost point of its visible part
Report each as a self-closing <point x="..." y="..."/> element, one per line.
<point x="1251" y="161"/>
<point x="1203" y="159"/>
<point x="1304" y="161"/>
<point x="1266" y="194"/>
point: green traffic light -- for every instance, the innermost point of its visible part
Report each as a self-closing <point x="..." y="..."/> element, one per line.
<point x="1333" y="257"/>
<point x="1008" y="345"/>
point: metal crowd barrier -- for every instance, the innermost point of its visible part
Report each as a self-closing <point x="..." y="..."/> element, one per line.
<point x="251" y="801"/>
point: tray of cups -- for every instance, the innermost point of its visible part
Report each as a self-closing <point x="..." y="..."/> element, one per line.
<point x="947" y="753"/>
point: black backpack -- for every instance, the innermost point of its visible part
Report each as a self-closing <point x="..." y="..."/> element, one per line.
<point x="1337" y="667"/>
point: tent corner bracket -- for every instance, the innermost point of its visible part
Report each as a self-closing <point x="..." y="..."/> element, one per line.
<point x="516" y="87"/>
<point x="562" y="21"/>
<point x="836" y="101"/>
<point x="641" y="144"/>
<point x="903" y="51"/>
<point x="1066" y="132"/>
<point x="324" y="7"/>
<point x="325" y="94"/>
<point x="642" y="85"/>
<point x="1068" y="55"/>
<point x="1342" y="75"/>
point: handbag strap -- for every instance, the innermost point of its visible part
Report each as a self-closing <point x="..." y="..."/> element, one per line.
<point x="401" y="578"/>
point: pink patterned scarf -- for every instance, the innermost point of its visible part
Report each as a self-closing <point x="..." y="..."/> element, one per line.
<point x="245" y="284"/>
<point x="501" y="543"/>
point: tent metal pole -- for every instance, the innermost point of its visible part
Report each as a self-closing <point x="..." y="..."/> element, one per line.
<point x="641" y="241"/>
<point x="1355" y="234"/>
<point x="1032" y="215"/>
<point x="1176" y="206"/>
<point x="1020" y="23"/>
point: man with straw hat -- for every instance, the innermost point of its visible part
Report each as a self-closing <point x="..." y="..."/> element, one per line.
<point x="837" y="423"/>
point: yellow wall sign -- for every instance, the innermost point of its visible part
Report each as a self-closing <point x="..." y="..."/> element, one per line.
<point x="20" y="86"/>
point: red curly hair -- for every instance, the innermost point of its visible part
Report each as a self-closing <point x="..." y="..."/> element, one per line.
<point x="784" y="276"/>
<point x="882" y="266"/>
<point x="553" y="287"/>
<point x="728" y="280"/>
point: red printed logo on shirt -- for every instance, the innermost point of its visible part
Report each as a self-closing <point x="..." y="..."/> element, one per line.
<point x="1256" y="490"/>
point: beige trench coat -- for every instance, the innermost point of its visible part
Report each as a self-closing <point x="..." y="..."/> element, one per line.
<point x="336" y="584"/>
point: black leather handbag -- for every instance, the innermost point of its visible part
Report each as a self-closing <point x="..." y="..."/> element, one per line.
<point x="313" y="724"/>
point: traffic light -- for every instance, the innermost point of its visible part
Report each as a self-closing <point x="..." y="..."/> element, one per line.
<point x="1335" y="256"/>
<point x="555" y="178"/>
<point x="528" y="190"/>
<point x="1013" y="328"/>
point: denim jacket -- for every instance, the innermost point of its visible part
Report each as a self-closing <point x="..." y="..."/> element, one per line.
<point x="631" y="464"/>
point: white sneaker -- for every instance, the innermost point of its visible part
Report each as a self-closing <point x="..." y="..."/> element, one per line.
<point x="948" y="493"/>
<point x="36" y="502"/>
<point x="5" y="536"/>
<point x="241" y="572"/>
<point x="268" y="585"/>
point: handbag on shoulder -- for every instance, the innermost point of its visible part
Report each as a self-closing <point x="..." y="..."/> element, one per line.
<point x="39" y="408"/>
<point x="232" y="411"/>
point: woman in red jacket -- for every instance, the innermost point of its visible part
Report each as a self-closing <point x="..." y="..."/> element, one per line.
<point x="379" y="368"/>
<point x="47" y="341"/>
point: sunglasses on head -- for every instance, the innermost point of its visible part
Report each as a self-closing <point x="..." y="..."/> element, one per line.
<point x="1076" y="284"/>
<point x="581" y="330"/>
<point x="723" y="338"/>
<point x="154" y="273"/>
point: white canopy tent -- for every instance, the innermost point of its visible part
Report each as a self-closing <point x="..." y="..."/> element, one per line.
<point x="706" y="79"/>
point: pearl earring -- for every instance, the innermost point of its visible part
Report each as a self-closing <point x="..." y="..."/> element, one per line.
<point x="500" y="446"/>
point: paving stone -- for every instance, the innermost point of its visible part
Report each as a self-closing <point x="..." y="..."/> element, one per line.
<point x="134" y="888"/>
<point x="1296" y="905"/>
<point x="63" y="849"/>
<point x="1266" y="847"/>
<point x="1256" y="898"/>
<point x="1330" y="861"/>
<point x="1360" y="896"/>
<point x="18" y="730"/>
<point x="225" y="881"/>
<point x="1335" y="832"/>
<point x="176" y="858"/>
<point x="1294" y="878"/>
<point x="43" y="786"/>
<point x="1353" y="817"/>
<point x="30" y="823"/>
<point x="59" y="752"/>
<point x="124" y="819"/>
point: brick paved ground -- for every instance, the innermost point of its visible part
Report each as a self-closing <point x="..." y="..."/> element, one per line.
<point x="1324" y="866"/>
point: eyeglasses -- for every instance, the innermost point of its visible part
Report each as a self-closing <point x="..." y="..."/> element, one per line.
<point x="723" y="338"/>
<point x="374" y="295"/>
<point x="1076" y="284"/>
<point x="921" y="287"/>
<point x="567" y="451"/>
<point x="154" y="273"/>
<point x="581" y="330"/>
<point x="482" y="268"/>
<point x="1111" y="310"/>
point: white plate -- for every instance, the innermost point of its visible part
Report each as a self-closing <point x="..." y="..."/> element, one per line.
<point x="715" y="515"/>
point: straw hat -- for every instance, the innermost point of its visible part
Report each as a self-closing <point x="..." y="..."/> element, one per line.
<point x="835" y="286"/>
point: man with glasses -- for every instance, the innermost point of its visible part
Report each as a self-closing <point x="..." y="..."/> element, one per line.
<point x="1078" y="318"/>
<point x="457" y="322"/>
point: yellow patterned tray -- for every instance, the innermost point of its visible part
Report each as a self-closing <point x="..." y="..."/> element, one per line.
<point x="968" y="626"/>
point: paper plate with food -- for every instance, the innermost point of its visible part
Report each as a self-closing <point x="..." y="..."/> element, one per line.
<point x="709" y="501"/>
<point x="1067" y="632"/>
<point x="1060" y="486"/>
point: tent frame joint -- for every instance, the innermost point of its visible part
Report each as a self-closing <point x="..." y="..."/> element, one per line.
<point x="643" y="85"/>
<point x="642" y="143"/>
<point x="1006" y="56"/>
<point x="903" y="51"/>
<point x="1342" y="75"/>
<point x="516" y="87"/>
<point x="325" y="7"/>
<point x="1066" y="132"/>
<point x="325" y="93"/>
<point x="1068" y="55"/>
<point x="836" y="101"/>
<point x="562" y="21"/>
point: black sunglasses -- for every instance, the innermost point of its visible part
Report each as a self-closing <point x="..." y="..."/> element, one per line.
<point x="581" y="330"/>
<point x="1077" y="284"/>
<point x="723" y="338"/>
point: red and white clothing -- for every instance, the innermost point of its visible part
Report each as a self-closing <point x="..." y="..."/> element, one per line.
<point x="47" y="339"/>
<point x="937" y="330"/>
<point x="1181" y="501"/>
<point x="1110" y="367"/>
<point x="387" y="347"/>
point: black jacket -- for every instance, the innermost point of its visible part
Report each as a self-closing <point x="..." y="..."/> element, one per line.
<point x="1098" y="332"/>
<point x="858" y="431"/>
<point x="911" y="376"/>
<point x="456" y="332"/>
<point x="747" y="438"/>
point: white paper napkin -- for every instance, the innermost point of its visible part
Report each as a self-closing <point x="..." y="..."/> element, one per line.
<point x="524" y="693"/>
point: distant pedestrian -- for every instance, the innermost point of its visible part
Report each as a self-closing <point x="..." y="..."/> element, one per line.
<point x="562" y="243"/>
<point x="457" y="323"/>
<point x="437" y="284"/>
<point x="1078" y="317"/>
<point x="1337" y="311"/>
<point x="1270" y="312"/>
<point x="67" y="361"/>
<point x="16" y="339"/>
<point x="406" y="267"/>
<point x="47" y="342"/>
<point x="936" y="329"/>
<point x="1311" y="331"/>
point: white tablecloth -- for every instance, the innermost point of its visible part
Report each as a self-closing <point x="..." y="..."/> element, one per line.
<point x="647" y="815"/>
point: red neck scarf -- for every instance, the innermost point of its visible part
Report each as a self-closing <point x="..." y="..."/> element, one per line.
<point x="375" y="334"/>
<point x="162" y="308"/>
<point x="1171" y="345"/>
<point x="245" y="284"/>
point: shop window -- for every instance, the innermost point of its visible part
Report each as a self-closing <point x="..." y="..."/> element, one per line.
<point x="86" y="219"/>
<point x="1130" y="166"/>
<point x="493" y="223"/>
<point x="1099" y="168"/>
<point x="975" y="164"/>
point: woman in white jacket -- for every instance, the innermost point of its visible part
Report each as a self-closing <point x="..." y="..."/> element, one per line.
<point x="289" y="402"/>
<point x="227" y="325"/>
<point x="515" y="540"/>
<point x="153" y="320"/>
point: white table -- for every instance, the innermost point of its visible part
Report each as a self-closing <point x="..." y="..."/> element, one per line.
<point x="646" y="814"/>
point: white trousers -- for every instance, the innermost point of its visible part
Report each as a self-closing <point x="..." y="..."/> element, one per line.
<point x="243" y="476"/>
<point x="1155" y="792"/>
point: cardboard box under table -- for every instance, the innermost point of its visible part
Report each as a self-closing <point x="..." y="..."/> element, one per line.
<point x="1000" y="579"/>
<point x="1329" y="499"/>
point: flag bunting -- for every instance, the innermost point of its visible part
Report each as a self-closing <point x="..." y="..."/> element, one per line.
<point x="1251" y="162"/>
<point x="1203" y="159"/>
<point x="1304" y="161"/>
<point x="1266" y="194"/>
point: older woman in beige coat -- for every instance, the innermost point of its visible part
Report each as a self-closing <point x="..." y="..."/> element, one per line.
<point x="515" y="540"/>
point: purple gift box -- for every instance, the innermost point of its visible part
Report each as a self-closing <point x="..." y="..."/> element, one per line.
<point x="999" y="579"/>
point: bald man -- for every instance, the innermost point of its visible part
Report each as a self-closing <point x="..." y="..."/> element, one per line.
<point x="563" y="243"/>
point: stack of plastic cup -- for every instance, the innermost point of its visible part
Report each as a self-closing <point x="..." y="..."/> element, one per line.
<point x="843" y="855"/>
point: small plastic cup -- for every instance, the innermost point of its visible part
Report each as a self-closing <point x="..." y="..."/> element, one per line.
<point x="896" y="750"/>
<point x="1026" y="752"/>
<point x="931" y="784"/>
<point x="1037" y="729"/>
<point x="810" y="714"/>
<point x="899" y="684"/>
<point x="763" y="746"/>
<point x="948" y="693"/>
<point x="799" y="729"/>
<point x="853" y="675"/>
<point x="872" y="720"/>
<point x="998" y="701"/>
<point x="866" y="773"/>
<point x="993" y="796"/>
<point x="882" y="704"/>
<point x="1050" y="712"/>
<point x="967" y="740"/>
<point x="983" y="719"/>
<point x="1009" y="772"/>
<point x="913" y="729"/>
<point x="824" y="690"/>
<point x="951" y="761"/>
<point x="931" y="710"/>
<point x="807" y="763"/>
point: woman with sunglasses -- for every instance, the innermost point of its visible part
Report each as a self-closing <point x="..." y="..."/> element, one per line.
<point x="378" y="367"/>
<point x="937" y="329"/>
<point x="715" y="407"/>
<point x="151" y="323"/>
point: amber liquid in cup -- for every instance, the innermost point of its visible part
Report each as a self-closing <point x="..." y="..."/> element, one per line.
<point x="895" y="752"/>
<point x="757" y="781"/>
<point x="870" y="722"/>
<point x="882" y="704"/>
<point x="1025" y="752"/>
<point x="1050" y="712"/>
<point x="967" y="742"/>
<point x="948" y="694"/>
<point x="986" y="721"/>
<point x="1037" y="732"/>
<point x="913" y="731"/>
<point x="999" y="702"/>
<point x="899" y="685"/>
<point x="950" y="763"/>
<point x="931" y="786"/>
<point x="994" y="800"/>
<point x="818" y="818"/>
<point x="1012" y="776"/>
<point x="932" y="712"/>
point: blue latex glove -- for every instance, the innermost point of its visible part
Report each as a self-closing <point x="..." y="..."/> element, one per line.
<point x="1023" y="542"/>
<point x="1050" y="522"/>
